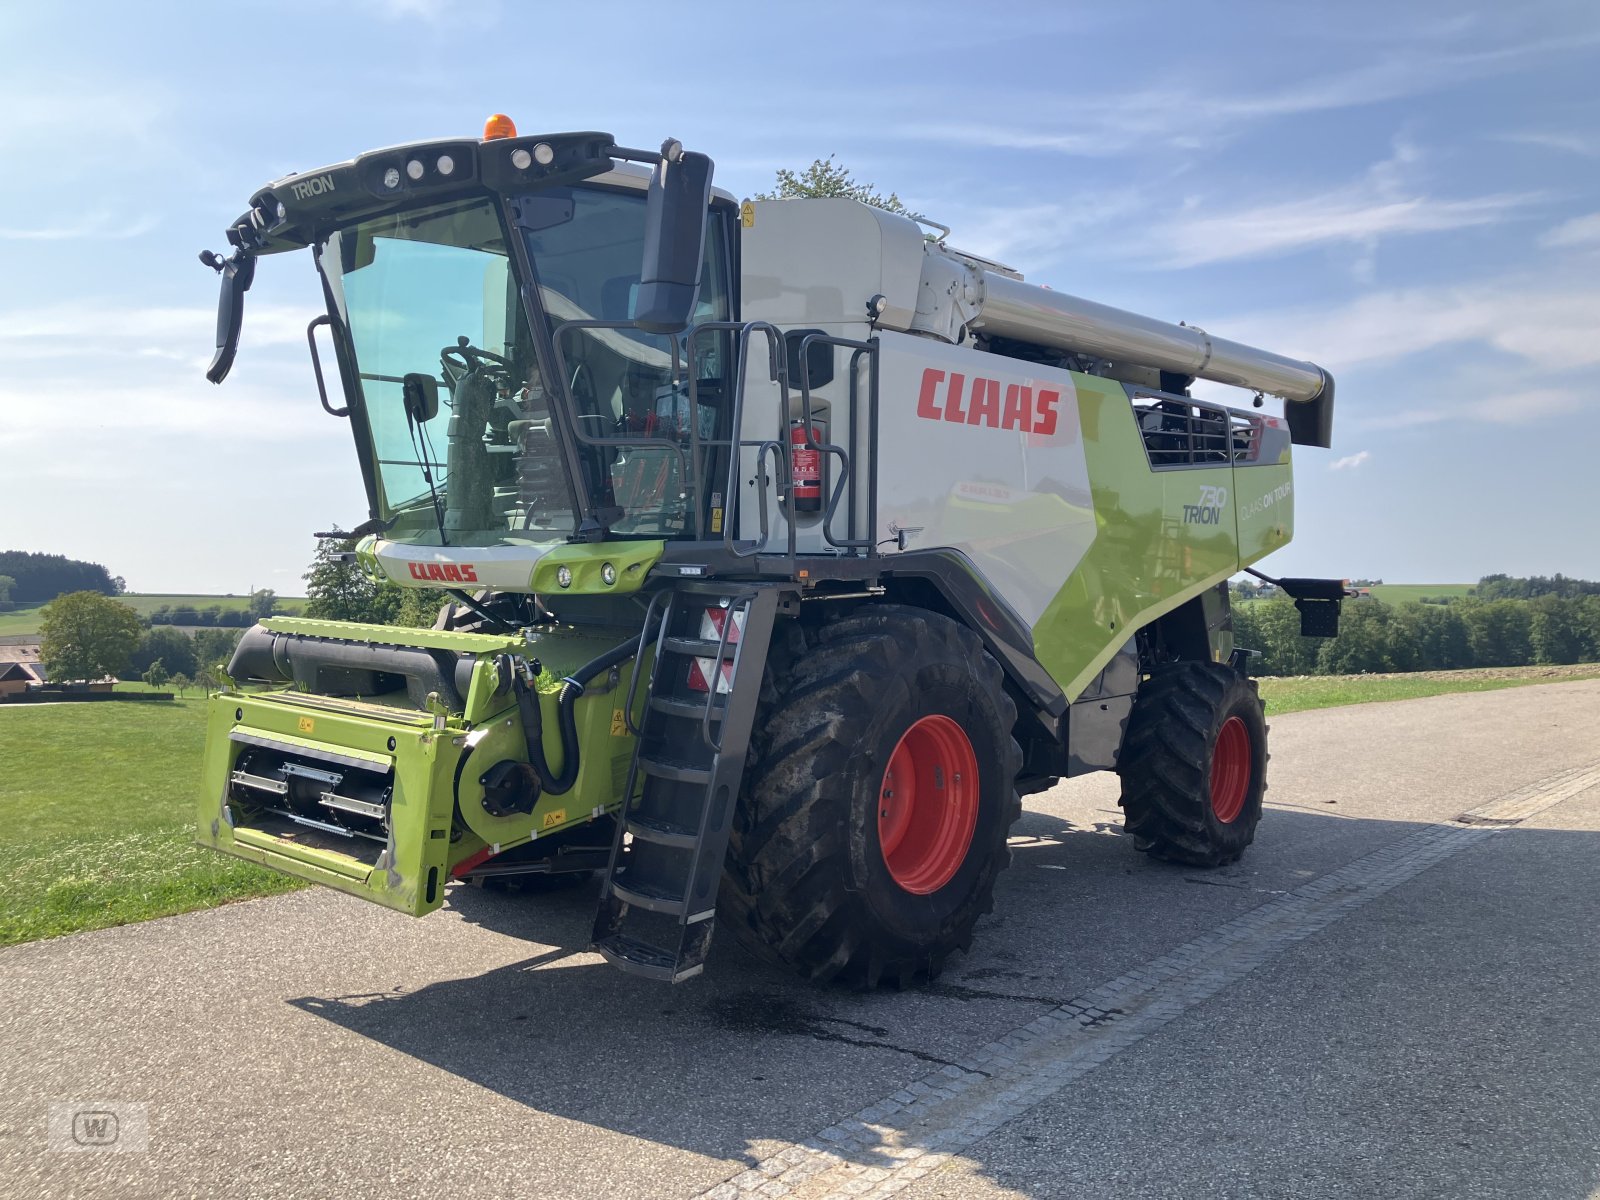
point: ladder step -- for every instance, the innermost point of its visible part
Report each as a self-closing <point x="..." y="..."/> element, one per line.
<point x="677" y="772"/>
<point x="692" y="709"/>
<point x="699" y="647"/>
<point x="644" y="896"/>
<point x="641" y="958"/>
<point x="662" y="833"/>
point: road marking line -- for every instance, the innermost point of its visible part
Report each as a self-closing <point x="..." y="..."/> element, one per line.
<point x="889" y="1145"/>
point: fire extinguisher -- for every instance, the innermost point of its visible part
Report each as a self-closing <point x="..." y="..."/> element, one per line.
<point x="807" y="460"/>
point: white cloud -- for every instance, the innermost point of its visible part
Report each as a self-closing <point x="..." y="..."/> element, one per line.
<point x="1569" y="143"/>
<point x="1580" y="231"/>
<point x="1492" y="401"/>
<point x="1350" y="462"/>
<point x="56" y="330"/>
<point x="99" y="226"/>
<point x="1550" y="325"/>
<point x="1385" y="201"/>
<point x="1350" y="217"/>
<point x="1192" y="117"/>
<point x="433" y="11"/>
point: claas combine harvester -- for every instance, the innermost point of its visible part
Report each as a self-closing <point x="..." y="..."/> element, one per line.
<point x="781" y="548"/>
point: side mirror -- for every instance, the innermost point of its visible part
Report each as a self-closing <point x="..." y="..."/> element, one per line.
<point x="421" y="397"/>
<point x="237" y="274"/>
<point x="676" y="209"/>
<point x="817" y="369"/>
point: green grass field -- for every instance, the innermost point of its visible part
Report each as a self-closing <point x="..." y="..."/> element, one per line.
<point x="1399" y="593"/>
<point x="1286" y="695"/>
<point x="98" y="800"/>
<point x="26" y="620"/>
<point x="98" y="804"/>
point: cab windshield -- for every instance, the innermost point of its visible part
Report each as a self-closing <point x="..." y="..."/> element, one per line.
<point x="432" y="293"/>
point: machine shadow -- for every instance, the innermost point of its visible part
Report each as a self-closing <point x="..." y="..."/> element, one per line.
<point x="747" y="1054"/>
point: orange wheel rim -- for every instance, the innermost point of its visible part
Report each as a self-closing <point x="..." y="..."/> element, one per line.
<point x="1230" y="771"/>
<point x="928" y="805"/>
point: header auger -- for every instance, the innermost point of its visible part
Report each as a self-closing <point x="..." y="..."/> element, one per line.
<point x="781" y="546"/>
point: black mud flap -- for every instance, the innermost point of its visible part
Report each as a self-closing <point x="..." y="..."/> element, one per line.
<point x="1318" y="601"/>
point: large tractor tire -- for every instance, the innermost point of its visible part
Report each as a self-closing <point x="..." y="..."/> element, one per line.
<point x="880" y="789"/>
<point x="1194" y="764"/>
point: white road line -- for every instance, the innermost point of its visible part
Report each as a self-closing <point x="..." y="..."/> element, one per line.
<point x="889" y="1145"/>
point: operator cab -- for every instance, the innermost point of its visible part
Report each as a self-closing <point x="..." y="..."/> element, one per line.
<point x="509" y="319"/>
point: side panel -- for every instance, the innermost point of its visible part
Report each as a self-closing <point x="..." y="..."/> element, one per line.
<point x="1265" y="498"/>
<point x="984" y="454"/>
<point x="1163" y="537"/>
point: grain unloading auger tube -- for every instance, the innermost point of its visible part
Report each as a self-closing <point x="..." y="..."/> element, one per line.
<point x="783" y="549"/>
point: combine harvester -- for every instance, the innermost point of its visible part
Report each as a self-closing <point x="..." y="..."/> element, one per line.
<point x="782" y="548"/>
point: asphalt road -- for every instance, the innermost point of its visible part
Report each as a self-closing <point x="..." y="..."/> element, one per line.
<point x="1374" y="1001"/>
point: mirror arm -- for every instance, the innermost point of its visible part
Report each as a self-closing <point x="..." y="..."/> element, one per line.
<point x="238" y="271"/>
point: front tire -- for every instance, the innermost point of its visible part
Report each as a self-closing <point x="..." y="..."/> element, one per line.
<point x="879" y="794"/>
<point x="1194" y="764"/>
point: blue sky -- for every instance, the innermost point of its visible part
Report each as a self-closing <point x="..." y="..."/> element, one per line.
<point x="1408" y="194"/>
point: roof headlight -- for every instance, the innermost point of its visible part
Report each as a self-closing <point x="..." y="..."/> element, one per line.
<point x="446" y="164"/>
<point x="544" y="153"/>
<point x="521" y="159"/>
<point x="414" y="168"/>
<point x="391" y="178"/>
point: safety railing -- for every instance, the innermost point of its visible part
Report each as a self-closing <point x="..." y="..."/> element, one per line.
<point x="857" y="498"/>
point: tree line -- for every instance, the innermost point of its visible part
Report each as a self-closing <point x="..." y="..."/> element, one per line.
<point x="261" y="603"/>
<point x="29" y="578"/>
<point x="1474" y="632"/>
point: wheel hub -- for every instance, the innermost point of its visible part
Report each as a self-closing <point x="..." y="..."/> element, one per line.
<point x="1230" y="770"/>
<point x="928" y="804"/>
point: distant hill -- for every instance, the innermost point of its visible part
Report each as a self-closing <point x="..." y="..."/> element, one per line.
<point x="25" y="620"/>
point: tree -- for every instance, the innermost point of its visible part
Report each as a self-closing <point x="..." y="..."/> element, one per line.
<point x="336" y="589"/>
<point x="213" y="648"/>
<point x="86" y="636"/>
<point x="175" y="650"/>
<point x="182" y="682"/>
<point x="6" y="584"/>
<point x="262" y="602"/>
<point x="1273" y="628"/>
<point x="1362" y="644"/>
<point x="1502" y="633"/>
<point x="156" y="675"/>
<point x="206" y="680"/>
<point x="39" y="577"/>
<point x="1556" y="630"/>
<point x="824" y="178"/>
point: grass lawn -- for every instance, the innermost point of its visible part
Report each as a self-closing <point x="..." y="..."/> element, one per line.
<point x="98" y="806"/>
<point x="1286" y="695"/>
<point x="26" y="620"/>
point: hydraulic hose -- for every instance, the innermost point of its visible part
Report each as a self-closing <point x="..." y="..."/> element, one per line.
<point x="572" y="689"/>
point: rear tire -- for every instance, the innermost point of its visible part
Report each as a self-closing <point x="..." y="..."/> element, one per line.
<point x="1194" y="764"/>
<point x="869" y="731"/>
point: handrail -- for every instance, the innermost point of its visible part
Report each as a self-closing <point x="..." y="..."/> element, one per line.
<point x="316" y="366"/>
<point x="638" y="658"/>
<point x="557" y="343"/>
<point x="846" y="476"/>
